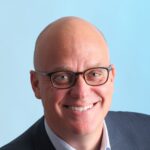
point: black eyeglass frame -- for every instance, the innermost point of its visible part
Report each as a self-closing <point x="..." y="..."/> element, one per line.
<point x="76" y="74"/>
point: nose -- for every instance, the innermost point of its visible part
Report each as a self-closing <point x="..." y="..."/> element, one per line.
<point x="81" y="89"/>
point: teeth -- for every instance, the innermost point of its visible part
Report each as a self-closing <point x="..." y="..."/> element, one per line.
<point x="80" y="108"/>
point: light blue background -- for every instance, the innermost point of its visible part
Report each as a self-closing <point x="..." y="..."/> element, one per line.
<point x="126" y="25"/>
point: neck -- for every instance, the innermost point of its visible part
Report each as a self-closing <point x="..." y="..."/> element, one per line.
<point x="90" y="141"/>
<point x="81" y="141"/>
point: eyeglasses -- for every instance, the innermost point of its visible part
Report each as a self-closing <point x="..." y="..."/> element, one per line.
<point x="65" y="79"/>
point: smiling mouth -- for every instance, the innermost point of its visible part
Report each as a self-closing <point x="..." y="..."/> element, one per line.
<point x="81" y="108"/>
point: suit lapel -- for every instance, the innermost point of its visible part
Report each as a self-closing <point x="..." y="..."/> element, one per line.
<point x="40" y="137"/>
<point x="119" y="132"/>
<point x="41" y="140"/>
<point x="114" y="135"/>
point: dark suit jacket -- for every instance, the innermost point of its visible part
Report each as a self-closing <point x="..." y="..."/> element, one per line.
<point x="127" y="131"/>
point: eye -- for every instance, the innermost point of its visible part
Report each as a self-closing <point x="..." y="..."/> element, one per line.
<point x="61" y="78"/>
<point x="95" y="74"/>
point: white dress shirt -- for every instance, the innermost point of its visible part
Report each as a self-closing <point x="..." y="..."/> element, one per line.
<point x="60" y="144"/>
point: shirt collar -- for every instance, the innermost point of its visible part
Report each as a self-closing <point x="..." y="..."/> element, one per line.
<point x="58" y="142"/>
<point x="105" y="139"/>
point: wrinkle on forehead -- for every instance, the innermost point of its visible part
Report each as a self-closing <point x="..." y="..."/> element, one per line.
<point x="59" y="34"/>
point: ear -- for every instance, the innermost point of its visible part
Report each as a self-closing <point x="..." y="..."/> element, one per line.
<point x="35" y="84"/>
<point x="113" y="73"/>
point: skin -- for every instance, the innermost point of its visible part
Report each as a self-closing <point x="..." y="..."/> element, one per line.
<point x="73" y="44"/>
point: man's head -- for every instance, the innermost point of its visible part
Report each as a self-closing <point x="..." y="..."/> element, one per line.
<point x="72" y="44"/>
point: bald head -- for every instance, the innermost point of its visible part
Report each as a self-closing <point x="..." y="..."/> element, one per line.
<point x="67" y="36"/>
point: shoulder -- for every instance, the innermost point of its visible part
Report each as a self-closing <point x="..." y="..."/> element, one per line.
<point x="128" y="120"/>
<point x="118" y="114"/>
<point x="128" y="116"/>
<point x="129" y="130"/>
<point x="24" y="141"/>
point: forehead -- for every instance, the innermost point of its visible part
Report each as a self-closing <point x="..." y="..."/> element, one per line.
<point x="73" y="45"/>
<point x="75" y="59"/>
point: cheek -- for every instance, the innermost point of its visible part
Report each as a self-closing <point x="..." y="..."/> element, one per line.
<point x="105" y="92"/>
<point x="52" y="104"/>
<point x="108" y="88"/>
<point x="56" y="95"/>
<point x="53" y="107"/>
<point x="52" y="98"/>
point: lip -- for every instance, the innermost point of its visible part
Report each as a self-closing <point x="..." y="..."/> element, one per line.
<point x="81" y="108"/>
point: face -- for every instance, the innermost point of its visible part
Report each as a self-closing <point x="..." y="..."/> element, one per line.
<point x="78" y="110"/>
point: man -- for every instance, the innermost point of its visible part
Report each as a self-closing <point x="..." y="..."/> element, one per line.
<point x="74" y="79"/>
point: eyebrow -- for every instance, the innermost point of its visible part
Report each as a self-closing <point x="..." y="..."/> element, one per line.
<point x="67" y="68"/>
<point x="61" y="68"/>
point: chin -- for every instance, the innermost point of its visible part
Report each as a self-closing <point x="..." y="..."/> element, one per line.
<point x="85" y="128"/>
